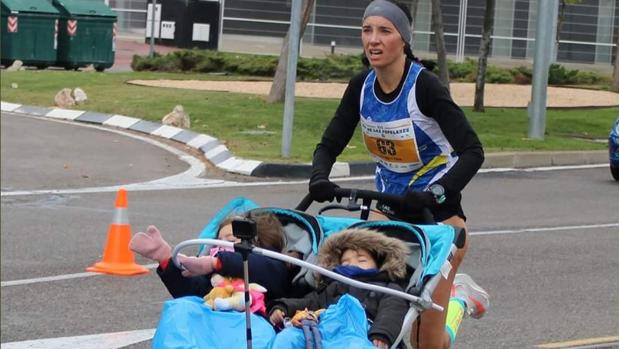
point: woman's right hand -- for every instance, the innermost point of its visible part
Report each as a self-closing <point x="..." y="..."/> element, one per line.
<point x="322" y="189"/>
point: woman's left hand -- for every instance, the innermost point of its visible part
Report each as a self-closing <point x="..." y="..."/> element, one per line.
<point x="415" y="201"/>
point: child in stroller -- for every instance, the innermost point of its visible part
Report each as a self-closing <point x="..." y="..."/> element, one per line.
<point x="367" y="256"/>
<point x="270" y="273"/>
<point x="432" y="247"/>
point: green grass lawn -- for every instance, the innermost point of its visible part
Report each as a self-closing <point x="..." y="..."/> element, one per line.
<point x="252" y="128"/>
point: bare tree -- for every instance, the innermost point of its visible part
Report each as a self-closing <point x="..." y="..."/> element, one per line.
<point x="561" y="19"/>
<point x="439" y="40"/>
<point x="278" y="87"/>
<point x="484" y="49"/>
<point x="615" y="85"/>
<point x="414" y="6"/>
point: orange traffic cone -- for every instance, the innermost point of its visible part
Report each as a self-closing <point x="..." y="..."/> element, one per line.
<point x="117" y="258"/>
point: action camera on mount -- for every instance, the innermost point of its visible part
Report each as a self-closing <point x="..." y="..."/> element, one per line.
<point x="244" y="229"/>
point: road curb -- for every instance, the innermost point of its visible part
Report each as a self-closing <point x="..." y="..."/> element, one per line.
<point x="218" y="154"/>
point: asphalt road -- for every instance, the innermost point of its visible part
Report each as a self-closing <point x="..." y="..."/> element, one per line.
<point x="49" y="154"/>
<point x="544" y="243"/>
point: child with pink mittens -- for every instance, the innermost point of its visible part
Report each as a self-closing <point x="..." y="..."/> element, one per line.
<point x="270" y="273"/>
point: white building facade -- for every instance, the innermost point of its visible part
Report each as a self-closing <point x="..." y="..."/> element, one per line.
<point x="587" y="35"/>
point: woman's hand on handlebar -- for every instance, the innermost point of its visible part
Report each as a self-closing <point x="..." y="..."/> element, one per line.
<point x="322" y="189"/>
<point x="416" y="201"/>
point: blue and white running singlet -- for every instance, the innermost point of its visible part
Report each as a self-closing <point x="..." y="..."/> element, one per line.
<point x="409" y="147"/>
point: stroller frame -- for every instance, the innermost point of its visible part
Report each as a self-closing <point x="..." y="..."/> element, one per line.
<point x="421" y="283"/>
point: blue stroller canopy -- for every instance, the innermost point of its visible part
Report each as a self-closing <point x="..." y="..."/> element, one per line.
<point x="183" y="320"/>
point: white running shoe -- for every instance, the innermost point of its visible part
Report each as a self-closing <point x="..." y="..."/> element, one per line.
<point x="476" y="298"/>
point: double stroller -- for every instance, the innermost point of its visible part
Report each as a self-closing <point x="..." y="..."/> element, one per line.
<point x="187" y="323"/>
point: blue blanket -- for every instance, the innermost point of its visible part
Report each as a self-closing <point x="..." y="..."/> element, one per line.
<point x="342" y="325"/>
<point x="187" y="323"/>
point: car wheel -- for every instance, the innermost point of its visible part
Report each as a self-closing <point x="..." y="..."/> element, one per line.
<point x="615" y="172"/>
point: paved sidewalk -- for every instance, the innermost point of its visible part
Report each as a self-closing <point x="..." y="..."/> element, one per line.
<point x="218" y="154"/>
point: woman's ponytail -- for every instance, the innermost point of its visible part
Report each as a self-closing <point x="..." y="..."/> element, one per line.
<point x="430" y="65"/>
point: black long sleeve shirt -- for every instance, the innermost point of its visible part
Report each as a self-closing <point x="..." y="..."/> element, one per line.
<point x="433" y="100"/>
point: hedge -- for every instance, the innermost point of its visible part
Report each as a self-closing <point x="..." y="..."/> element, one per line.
<point x="339" y="67"/>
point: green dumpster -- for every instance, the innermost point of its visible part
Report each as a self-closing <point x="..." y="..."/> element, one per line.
<point x="86" y="35"/>
<point x="29" y="32"/>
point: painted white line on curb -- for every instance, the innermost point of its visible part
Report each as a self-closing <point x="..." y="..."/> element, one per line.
<point x="167" y="131"/>
<point x="5" y="106"/>
<point x="216" y="151"/>
<point x="65" y="114"/>
<point x="247" y="167"/>
<point x="340" y="169"/>
<point x="112" y="340"/>
<point x="200" y="140"/>
<point x="121" y="121"/>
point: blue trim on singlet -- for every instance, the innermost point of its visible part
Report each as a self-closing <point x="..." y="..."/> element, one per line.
<point x="377" y="111"/>
<point x="380" y="111"/>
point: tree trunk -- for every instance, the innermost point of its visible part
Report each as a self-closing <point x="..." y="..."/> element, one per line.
<point x="439" y="40"/>
<point x="414" y="6"/>
<point x="278" y="87"/>
<point x="560" y="21"/>
<point x="484" y="49"/>
<point x="615" y="85"/>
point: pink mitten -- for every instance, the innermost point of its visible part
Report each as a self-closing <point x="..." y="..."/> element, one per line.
<point x="150" y="245"/>
<point x="194" y="266"/>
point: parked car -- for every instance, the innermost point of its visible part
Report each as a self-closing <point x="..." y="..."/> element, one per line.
<point x="613" y="149"/>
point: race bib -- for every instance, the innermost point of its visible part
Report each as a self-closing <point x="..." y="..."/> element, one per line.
<point x="392" y="144"/>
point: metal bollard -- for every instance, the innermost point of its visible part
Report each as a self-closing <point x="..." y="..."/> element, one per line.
<point x="332" y="47"/>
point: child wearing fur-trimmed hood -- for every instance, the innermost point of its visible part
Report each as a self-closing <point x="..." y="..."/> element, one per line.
<point x="363" y="255"/>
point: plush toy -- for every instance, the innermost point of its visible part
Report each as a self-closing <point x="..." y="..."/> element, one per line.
<point x="229" y="294"/>
<point x="301" y="315"/>
<point x="308" y="320"/>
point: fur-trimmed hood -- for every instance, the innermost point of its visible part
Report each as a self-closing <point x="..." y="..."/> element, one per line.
<point x="390" y="253"/>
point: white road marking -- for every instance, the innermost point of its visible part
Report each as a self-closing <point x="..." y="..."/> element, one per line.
<point x="479" y="233"/>
<point x="541" y="169"/>
<point x="547" y="229"/>
<point x="597" y="342"/>
<point x="189" y="180"/>
<point x="112" y="340"/>
<point x="58" y="277"/>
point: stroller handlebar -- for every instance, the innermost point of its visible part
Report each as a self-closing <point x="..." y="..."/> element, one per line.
<point x="418" y="301"/>
<point x="353" y="195"/>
